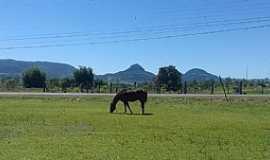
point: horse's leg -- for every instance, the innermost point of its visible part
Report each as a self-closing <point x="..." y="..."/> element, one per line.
<point x="142" y="103"/>
<point x="129" y="108"/>
<point x="125" y="107"/>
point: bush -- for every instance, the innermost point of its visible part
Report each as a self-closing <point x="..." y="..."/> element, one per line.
<point x="34" y="78"/>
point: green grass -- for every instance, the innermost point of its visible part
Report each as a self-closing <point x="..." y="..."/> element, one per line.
<point x="34" y="128"/>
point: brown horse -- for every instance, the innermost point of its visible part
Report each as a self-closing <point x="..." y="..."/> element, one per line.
<point x="129" y="96"/>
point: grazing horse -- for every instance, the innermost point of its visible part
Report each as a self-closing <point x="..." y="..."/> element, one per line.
<point x="129" y="96"/>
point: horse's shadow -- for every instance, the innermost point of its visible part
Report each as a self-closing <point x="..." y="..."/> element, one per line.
<point x="134" y="114"/>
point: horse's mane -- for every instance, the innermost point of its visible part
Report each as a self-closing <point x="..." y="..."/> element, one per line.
<point x="123" y="91"/>
<point x="118" y="96"/>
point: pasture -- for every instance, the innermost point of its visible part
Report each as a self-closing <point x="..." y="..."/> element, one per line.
<point x="70" y="128"/>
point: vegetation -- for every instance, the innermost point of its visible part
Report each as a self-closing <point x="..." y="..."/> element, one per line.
<point x="34" y="78"/>
<point x="170" y="78"/>
<point x="84" y="78"/>
<point x="193" y="87"/>
<point x="81" y="128"/>
<point x="66" y="83"/>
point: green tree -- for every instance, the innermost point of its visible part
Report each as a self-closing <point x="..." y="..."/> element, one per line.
<point x="169" y="77"/>
<point x="54" y="83"/>
<point x="66" y="83"/>
<point x="84" y="78"/>
<point x="99" y="84"/>
<point x="194" y="85"/>
<point x="262" y="85"/>
<point x="34" y="78"/>
<point x="11" y="84"/>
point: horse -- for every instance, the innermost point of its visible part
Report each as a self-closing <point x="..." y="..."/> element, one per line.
<point x="129" y="96"/>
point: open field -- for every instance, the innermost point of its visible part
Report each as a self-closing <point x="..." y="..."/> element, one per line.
<point x="78" y="128"/>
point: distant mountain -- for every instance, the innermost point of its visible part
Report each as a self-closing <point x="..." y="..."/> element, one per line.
<point x="198" y="75"/>
<point x="9" y="67"/>
<point x="134" y="73"/>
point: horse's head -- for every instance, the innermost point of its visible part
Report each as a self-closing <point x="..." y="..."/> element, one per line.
<point x="112" y="108"/>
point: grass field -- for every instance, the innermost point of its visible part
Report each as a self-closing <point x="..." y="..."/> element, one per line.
<point x="35" y="128"/>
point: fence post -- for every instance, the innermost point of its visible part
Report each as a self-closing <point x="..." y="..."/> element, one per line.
<point x="222" y="84"/>
<point x="111" y="87"/>
<point x="213" y="87"/>
<point x="241" y="88"/>
<point x="99" y="85"/>
<point x="185" y="87"/>
<point x="135" y="85"/>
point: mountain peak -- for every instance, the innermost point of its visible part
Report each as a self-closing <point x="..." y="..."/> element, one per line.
<point x="136" y="67"/>
<point x="198" y="75"/>
<point x="135" y="73"/>
<point x="196" y="70"/>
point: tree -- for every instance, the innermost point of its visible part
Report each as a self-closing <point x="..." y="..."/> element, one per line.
<point x="84" y="78"/>
<point x="262" y="84"/>
<point x="169" y="77"/>
<point x="99" y="84"/>
<point x="34" y="78"/>
<point x="11" y="84"/>
<point x="54" y="83"/>
<point x="66" y="83"/>
<point x="194" y="85"/>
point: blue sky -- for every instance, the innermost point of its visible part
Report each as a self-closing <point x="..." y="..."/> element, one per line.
<point x="226" y="53"/>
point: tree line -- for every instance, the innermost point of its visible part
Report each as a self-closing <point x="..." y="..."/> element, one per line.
<point x="168" y="80"/>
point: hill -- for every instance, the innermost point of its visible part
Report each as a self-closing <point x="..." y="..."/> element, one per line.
<point x="198" y="75"/>
<point x="9" y="67"/>
<point x="134" y="73"/>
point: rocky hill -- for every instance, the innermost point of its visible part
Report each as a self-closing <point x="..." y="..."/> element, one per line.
<point x="134" y="73"/>
<point x="9" y="67"/>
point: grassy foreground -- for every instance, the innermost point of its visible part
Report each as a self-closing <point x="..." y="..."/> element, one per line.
<point x="34" y="128"/>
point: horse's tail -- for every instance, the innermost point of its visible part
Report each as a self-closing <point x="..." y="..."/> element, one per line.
<point x="144" y="96"/>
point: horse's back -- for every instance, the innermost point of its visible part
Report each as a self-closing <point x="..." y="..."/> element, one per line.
<point x="143" y="95"/>
<point x="134" y="96"/>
